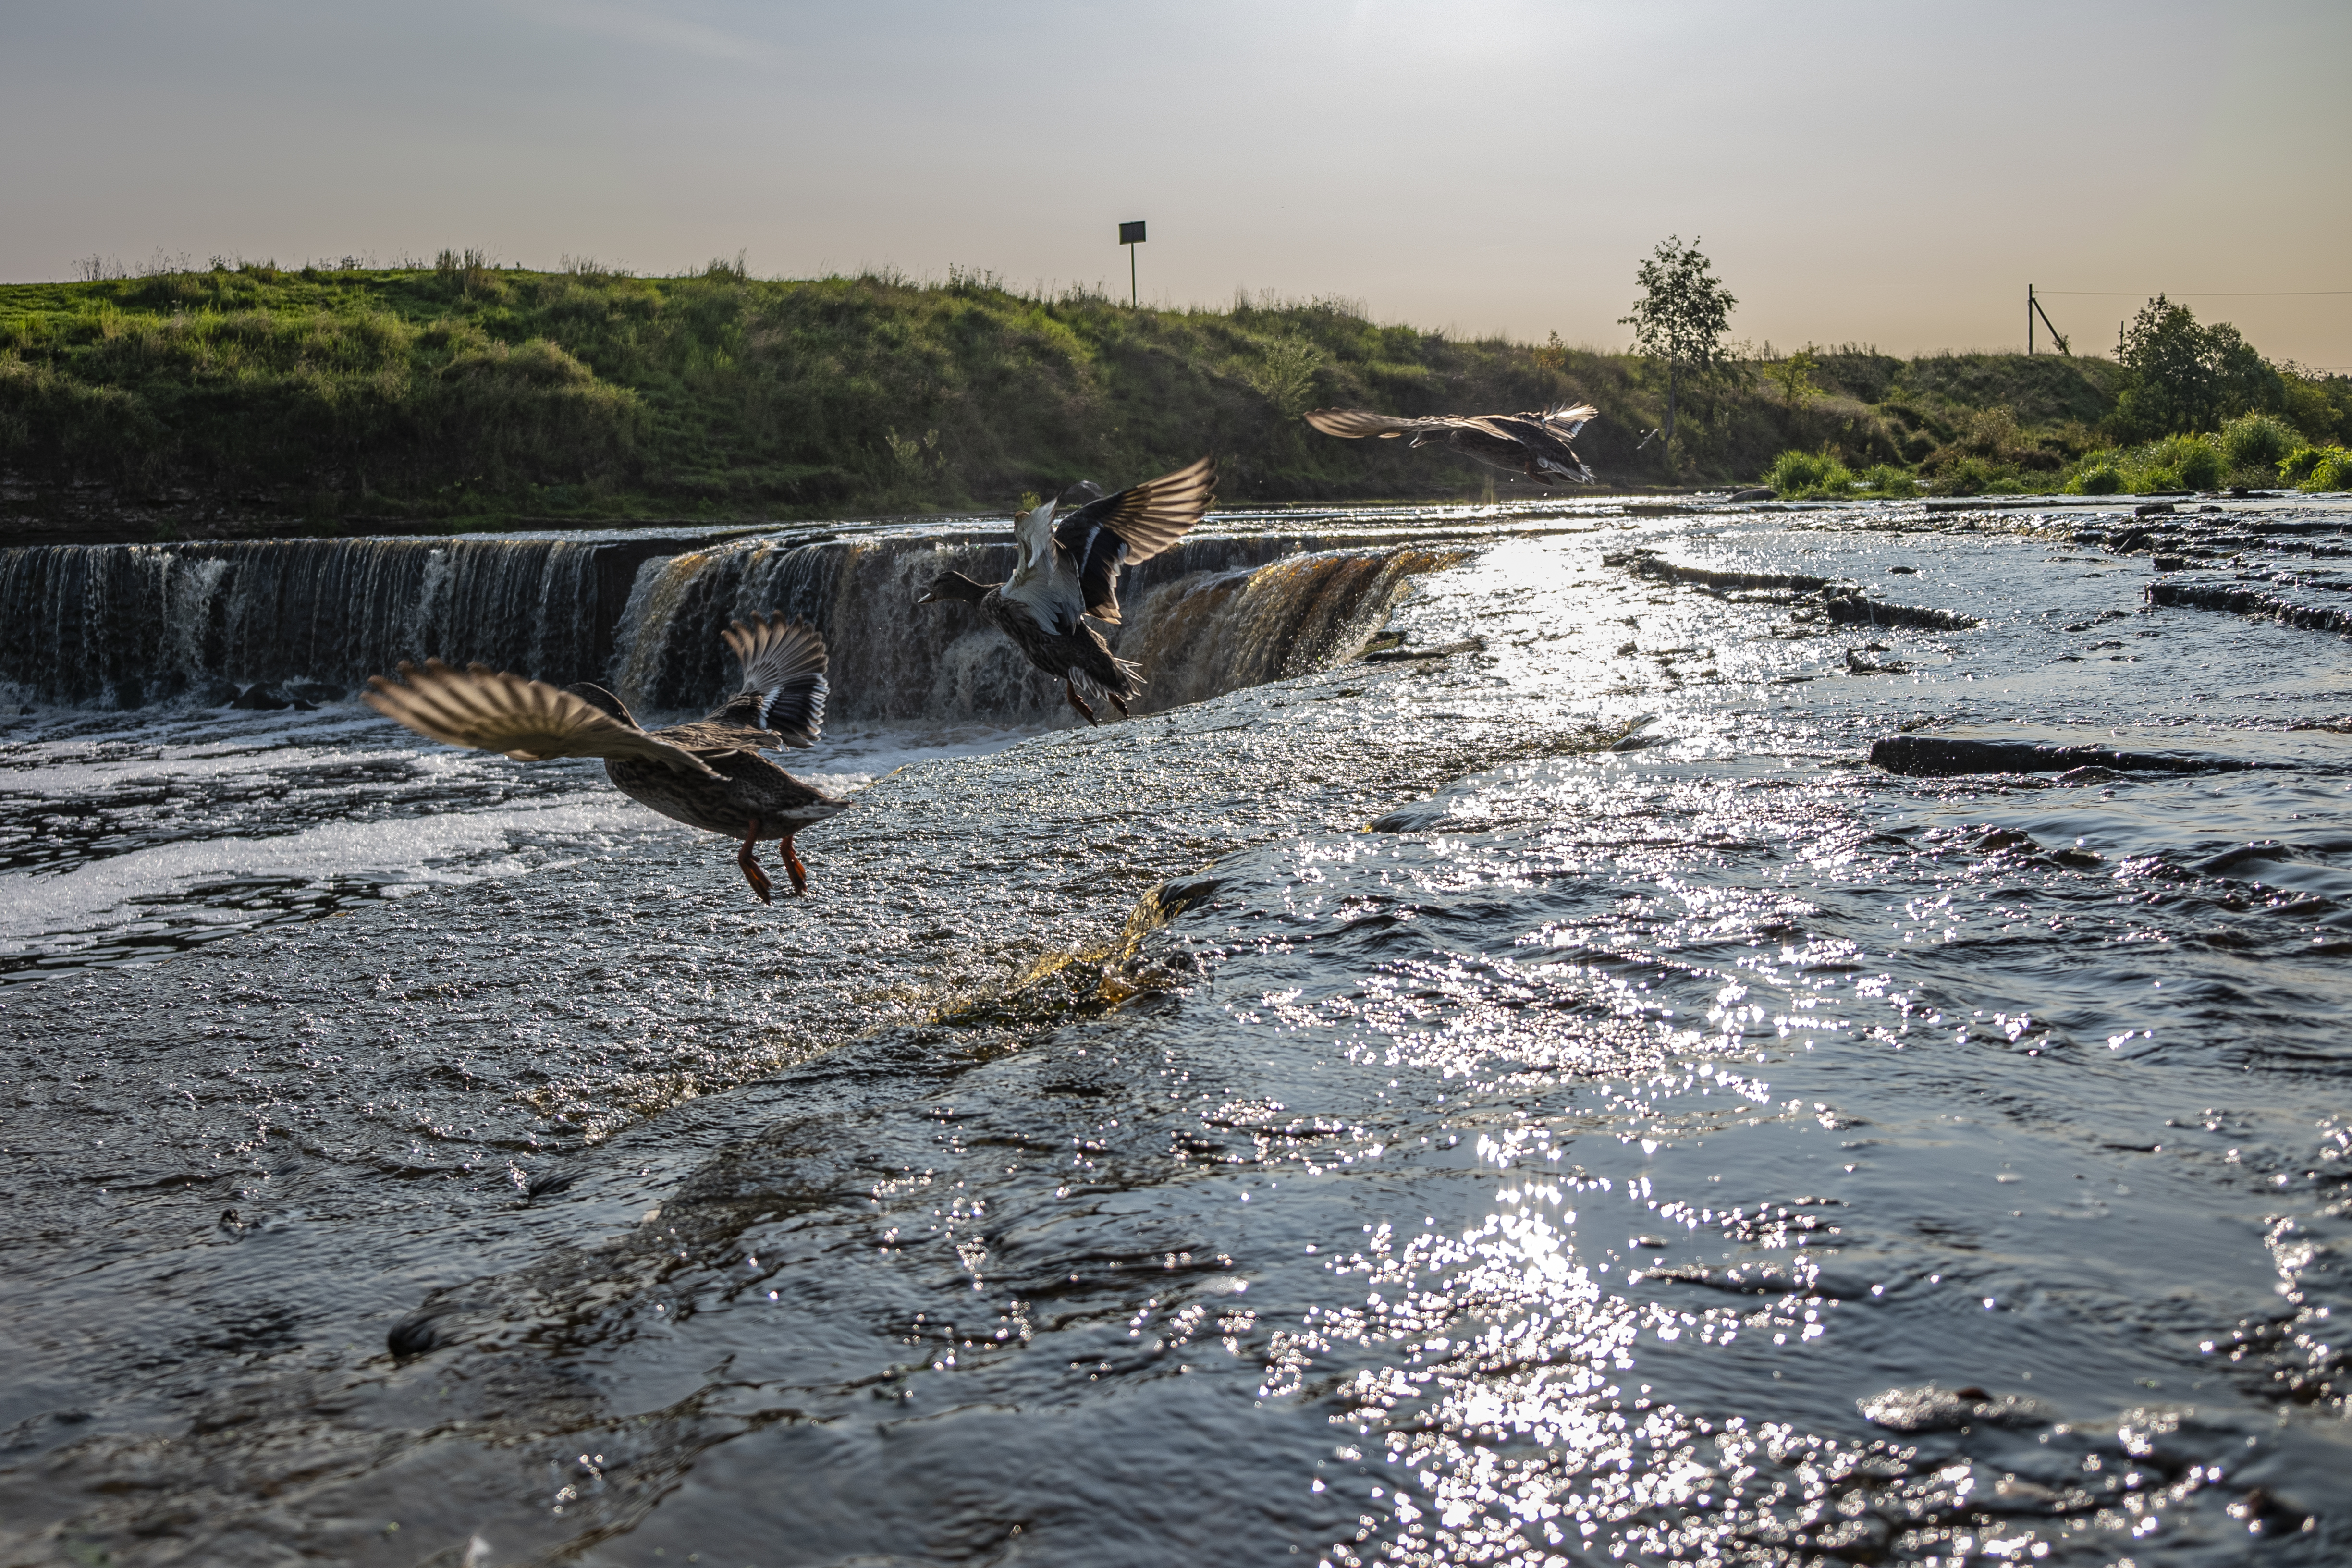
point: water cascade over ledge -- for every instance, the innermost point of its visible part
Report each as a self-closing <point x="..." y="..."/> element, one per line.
<point x="120" y="625"/>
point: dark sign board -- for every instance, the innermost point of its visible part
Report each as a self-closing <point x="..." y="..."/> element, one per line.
<point x="1132" y="233"/>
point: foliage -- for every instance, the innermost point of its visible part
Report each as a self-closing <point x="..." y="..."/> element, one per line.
<point x="1286" y="374"/>
<point x="2179" y="377"/>
<point x="1808" y="476"/>
<point x="1684" y="311"/>
<point x="2165" y="467"/>
<point x="458" y="389"/>
<point x="2317" y="469"/>
<point x="1794" y="378"/>
<point x="2256" y="441"/>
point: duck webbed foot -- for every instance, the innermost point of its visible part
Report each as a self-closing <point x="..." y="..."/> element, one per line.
<point x="792" y="867"/>
<point x="1119" y="705"/>
<point x="752" y="872"/>
<point x="1070" y="688"/>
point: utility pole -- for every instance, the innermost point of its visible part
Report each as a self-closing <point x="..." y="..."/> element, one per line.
<point x="2029" y="318"/>
<point x="1130" y="235"/>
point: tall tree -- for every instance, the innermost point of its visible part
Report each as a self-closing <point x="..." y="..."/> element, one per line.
<point x="1682" y="315"/>
<point x="2181" y="377"/>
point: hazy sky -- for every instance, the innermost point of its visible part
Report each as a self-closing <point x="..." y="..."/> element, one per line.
<point x="1884" y="173"/>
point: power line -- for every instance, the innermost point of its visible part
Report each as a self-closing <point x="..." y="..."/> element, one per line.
<point x="2152" y="293"/>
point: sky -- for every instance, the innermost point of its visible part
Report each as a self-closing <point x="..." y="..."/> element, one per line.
<point x="1881" y="173"/>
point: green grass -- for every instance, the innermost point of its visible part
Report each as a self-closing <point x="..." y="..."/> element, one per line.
<point x="473" y="395"/>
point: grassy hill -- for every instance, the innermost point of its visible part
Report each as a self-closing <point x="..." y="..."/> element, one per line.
<point x="253" y="399"/>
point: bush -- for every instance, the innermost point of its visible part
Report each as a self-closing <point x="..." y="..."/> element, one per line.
<point x="1808" y="476"/>
<point x="2256" y="441"/>
<point x="2194" y="464"/>
<point x="2101" y="478"/>
<point x="1887" y="479"/>
<point x="2319" y="469"/>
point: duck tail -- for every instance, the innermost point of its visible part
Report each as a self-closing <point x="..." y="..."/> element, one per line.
<point x="783" y="671"/>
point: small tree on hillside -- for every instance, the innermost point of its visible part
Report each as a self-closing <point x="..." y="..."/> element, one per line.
<point x="2179" y="377"/>
<point x="1682" y="314"/>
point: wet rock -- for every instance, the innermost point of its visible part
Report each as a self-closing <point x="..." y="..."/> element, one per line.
<point x="2240" y="599"/>
<point x="1942" y="757"/>
<point x="1902" y="571"/>
<point x="2153" y="509"/>
<point x="2167" y="563"/>
<point x="547" y="1184"/>
<point x="1753" y="492"/>
<point x="221" y="697"/>
<point x="260" y="698"/>
<point x="314" y="692"/>
<point x="1852" y="609"/>
<point x="416" y="1334"/>
<point x="1400" y="655"/>
<point x="1857" y="663"/>
<point x="1931" y="1409"/>
<point x="2264" y="1514"/>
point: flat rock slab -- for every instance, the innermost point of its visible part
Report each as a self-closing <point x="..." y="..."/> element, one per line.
<point x="1941" y="757"/>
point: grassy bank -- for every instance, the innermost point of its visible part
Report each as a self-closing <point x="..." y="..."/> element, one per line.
<point x="467" y="395"/>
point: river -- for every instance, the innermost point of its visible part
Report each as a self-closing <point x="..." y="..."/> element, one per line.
<point x="1484" y="1068"/>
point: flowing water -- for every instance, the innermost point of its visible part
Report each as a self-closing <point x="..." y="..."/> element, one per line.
<point x="1484" y="1071"/>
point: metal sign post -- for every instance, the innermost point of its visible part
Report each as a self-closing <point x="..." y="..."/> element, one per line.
<point x="1130" y="235"/>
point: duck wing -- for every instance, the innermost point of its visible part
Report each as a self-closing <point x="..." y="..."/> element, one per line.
<point x="1355" y="424"/>
<point x="784" y="687"/>
<point x="1564" y="421"/>
<point x="530" y="720"/>
<point x="1135" y="525"/>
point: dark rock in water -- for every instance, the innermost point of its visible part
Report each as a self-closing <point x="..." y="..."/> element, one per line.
<point x="315" y="691"/>
<point x="1398" y="654"/>
<point x="1943" y="757"/>
<point x="1753" y="492"/>
<point x="261" y="699"/>
<point x="221" y="697"/>
<point x="1902" y="571"/>
<point x="2239" y="598"/>
<point x="2264" y="1514"/>
<point x="2153" y="509"/>
<point x="414" y="1334"/>
<point x="1852" y="609"/>
<point x="1932" y="1409"/>
<point x="547" y="1184"/>
<point x="2167" y="563"/>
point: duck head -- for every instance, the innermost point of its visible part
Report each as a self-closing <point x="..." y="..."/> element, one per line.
<point x="954" y="585"/>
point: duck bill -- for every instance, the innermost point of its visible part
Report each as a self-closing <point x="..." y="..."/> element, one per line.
<point x="929" y="599"/>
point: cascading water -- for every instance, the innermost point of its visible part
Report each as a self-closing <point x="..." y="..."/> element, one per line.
<point x="1215" y="613"/>
<point x="122" y="625"/>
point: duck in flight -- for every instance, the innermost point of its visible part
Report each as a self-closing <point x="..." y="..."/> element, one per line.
<point x="708" y="773"/>
<point x="1534" y="444"/>
<point x="1066" y="571"/>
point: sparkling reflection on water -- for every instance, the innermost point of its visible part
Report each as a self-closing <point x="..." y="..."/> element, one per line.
<point x="1360" y="1120"/>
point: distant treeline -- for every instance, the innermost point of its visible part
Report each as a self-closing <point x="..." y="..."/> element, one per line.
<point x="467" y="395"/>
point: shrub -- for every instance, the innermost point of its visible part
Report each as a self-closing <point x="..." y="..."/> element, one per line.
<point x="2330" y="470"/>
<point x="2194" y="464"/>
<point x="1887" y="479"/>
<point x="2095" y="479"/>
<point x="2256" y="441"/>
<point x="1808" y="476"/>
<point x="2297" y="465"/>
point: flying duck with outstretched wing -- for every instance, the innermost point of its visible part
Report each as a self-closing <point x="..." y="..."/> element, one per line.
<point x="1535" y="443"/>
<point x="706" y="773"/>
<point x="1065" y="572"/>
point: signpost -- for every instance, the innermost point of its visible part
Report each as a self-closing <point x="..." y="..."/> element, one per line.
<point x="1130" y="235"/>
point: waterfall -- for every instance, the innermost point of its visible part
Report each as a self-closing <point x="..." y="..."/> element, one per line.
<point x="1211" y="615"/>
<point x="123" y="624"/>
